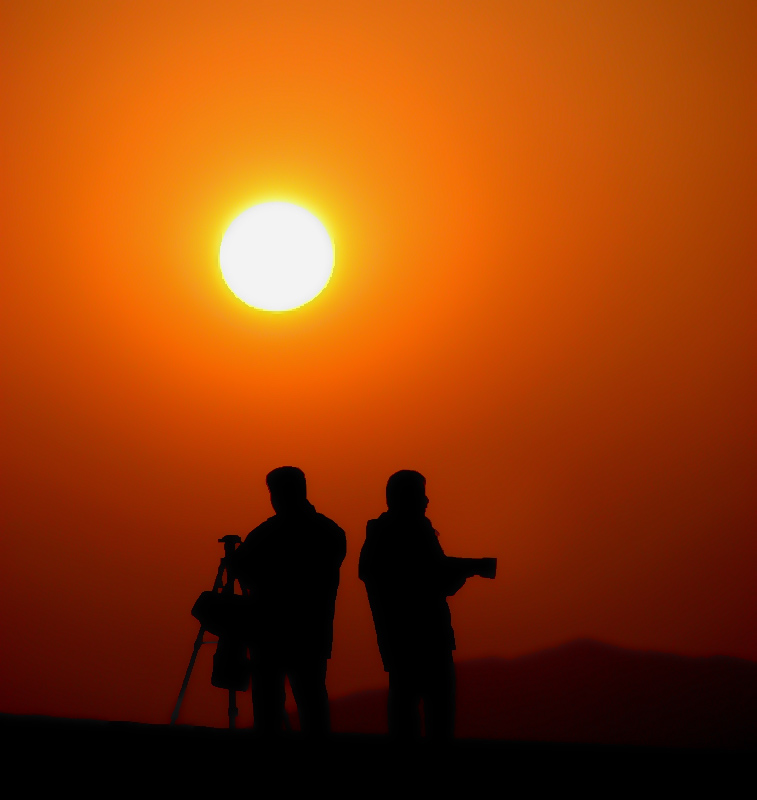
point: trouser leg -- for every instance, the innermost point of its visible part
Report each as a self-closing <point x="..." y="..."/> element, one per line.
<point x="404" y="703"/>
<point x="439" y="700"/>
<point x="268" y="697"/>
<point x="308" y="682"/>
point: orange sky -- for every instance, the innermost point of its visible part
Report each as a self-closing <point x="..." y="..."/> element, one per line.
<point x="543" y="299"/>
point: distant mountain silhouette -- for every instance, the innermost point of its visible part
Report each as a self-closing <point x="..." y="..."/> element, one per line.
<point x="586" y="691"/>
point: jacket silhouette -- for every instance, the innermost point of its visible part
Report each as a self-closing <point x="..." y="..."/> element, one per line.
<point x="408" y="578"/>
<point x="290" y="566"/>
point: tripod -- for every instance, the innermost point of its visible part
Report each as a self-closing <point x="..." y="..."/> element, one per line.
<point x="229" y="545"/>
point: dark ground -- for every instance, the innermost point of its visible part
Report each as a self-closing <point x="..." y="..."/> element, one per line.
<point x="107" y="758"/>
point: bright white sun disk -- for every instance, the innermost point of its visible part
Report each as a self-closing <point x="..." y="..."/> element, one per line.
<point x="276" y="256"/>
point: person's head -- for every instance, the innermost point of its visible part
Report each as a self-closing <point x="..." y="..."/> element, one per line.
<point x="287" y="487"/>
<point x="406" y="492"/>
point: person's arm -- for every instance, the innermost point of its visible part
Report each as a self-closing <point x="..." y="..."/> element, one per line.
<point x="366" y="562"/>
<point x="453" y="572"/>
<point x="445" y="574"/>
<point x="340" y="545"/>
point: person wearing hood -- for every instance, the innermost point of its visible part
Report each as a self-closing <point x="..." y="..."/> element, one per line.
<point x="408" y="578"/>
<point x="290" y="566"/>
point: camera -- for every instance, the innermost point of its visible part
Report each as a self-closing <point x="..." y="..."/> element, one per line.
<point x="482" y="567"/>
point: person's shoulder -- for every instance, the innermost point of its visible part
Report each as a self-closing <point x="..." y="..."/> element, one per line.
<point x="328" y="525"/>
<point x="373" y="526"/>
<point x="379" y="532"/>
<point x="330" y="538"/>
<point x="264" y="526"/>
<point x="382" y="523"/>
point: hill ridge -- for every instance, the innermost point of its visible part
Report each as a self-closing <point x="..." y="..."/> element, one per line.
<point x="589" y="691"/>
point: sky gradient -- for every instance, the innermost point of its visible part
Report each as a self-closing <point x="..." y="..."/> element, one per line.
<point x="543" y="299"/>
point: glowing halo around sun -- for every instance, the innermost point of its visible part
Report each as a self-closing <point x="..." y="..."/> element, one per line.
<point x="276" y="256"/>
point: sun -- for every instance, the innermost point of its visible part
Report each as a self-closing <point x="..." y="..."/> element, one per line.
<point x="276" y="256"/>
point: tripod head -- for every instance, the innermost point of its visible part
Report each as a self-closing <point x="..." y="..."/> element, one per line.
<point x="229" y="542"/>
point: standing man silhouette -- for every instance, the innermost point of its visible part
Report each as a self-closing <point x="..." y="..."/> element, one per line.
<point x="290" y="566"/>
<point x="408" y="579"/>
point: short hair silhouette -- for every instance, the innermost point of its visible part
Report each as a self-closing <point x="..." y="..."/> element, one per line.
<point x="406" y="489"/>
<point x="287" y="486"/>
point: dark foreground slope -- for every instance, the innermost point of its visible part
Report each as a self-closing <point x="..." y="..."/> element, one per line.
<point x="590" y="692"/>
<point x="585" y="716"/>
<point x="96" y="759"/>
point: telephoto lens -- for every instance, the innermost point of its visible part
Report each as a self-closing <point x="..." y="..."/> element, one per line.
<point x="488" y="567"/>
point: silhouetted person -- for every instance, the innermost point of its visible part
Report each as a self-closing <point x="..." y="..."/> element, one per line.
<point x="408" y="579"/>
<point x="290" y="565"/>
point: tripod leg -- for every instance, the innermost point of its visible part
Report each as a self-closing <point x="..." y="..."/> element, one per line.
<point x="182" y="691"/>
<point x="198" y="644"/>
<point x="233" y="710"/>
